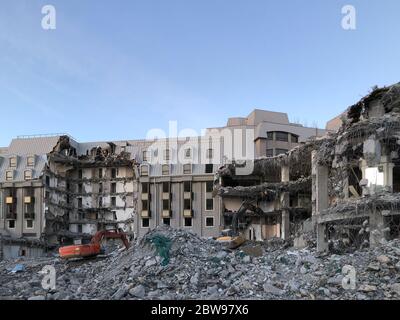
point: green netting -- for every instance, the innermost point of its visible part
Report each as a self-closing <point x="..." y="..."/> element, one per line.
<point x="162" y="245"/>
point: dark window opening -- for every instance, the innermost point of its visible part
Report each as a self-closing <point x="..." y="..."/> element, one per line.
<point x="165" y="186"/>
<point x="396" y="179"/>
<point x="270" y="135"/>
<point x="295" y="138"/>
<point x="187" y="186"/>
<point x="188" y="222"/>
<point x="145" y="222"/>
<point x="281" y="136"/>
<point x="165" y="204"/>
<point x="210" y="222"/>
<point x="186" y="204"/>
<point x="209" y="168"/>
<point x="209" y="186"/>
<point x="355" y="175"/>
<point x="113" y="187"/>
<point x="270" y="153"/>
<point x="167" y="221"/>
<point x="145" y="188"/>
<point x="210" y="204"/>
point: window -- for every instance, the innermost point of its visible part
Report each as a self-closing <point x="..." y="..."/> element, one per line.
<point x="79" y="202"/>
<point x="29" y="224"/>
<point x="186" y="204"/>
<point x="100" y="188"/>
<point x="210" y="204"/>
<point x="188" y="222"/>
<point x="145" y="156"/>
<point x="165" y="169"/>
<point x="165" y="186"/>
<point x="145" y="204"/>
<point x="113" y="201"/>
<point x="80" y="174"/>
<point x="145" y="222"/>
<point x="280" y="151"/>
<point x="270" y="135"/>
<point x="270" y="153"/>
<point x="165" y="204"/>
<point x="295" y="138"/>
<point x="9" y="175"/>
<point x="80" y="188"/>
<point x="209" y="168"/>
<point x="187" y="168"/>
<point x="100" y="202"/>
<point x="144" y="170"/>
<point x="282" y="136"/>
<point x="30" y="161"/>
<point x="79" y="228"/>
<point x="187" y="186"/>
<point x="28" y="175"/>
<point x="113" y="187"/>
<point x="188" y="153"/>
<point x="209" y="154"/>
<point x="167" y="221"/>
<point x="209" y="221"/>
<point x="100" y="173"/>
<point x="11" y="224"/>
<point x="13" y="162"/>
<point x="114" y="173"/>
<point x="145" y="187"/>
<point x="166" y="154"/>
<point x="114" y="213"/>
<point x="209" y="186"/>
<point x="47" y="181"/>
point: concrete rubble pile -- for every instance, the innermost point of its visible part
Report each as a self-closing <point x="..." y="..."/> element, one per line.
<point x="194" y="268"/>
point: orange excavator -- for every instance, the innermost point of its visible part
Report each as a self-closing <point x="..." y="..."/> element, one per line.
<point x="94" y="247"/>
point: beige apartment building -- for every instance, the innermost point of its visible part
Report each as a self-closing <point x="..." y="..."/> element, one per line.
<point x="55" y="190"/>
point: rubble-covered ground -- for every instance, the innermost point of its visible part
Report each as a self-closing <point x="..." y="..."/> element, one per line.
<point x="204" y="269"/>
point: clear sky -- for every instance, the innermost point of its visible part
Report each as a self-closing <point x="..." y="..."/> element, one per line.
<point x="115" y="69"/>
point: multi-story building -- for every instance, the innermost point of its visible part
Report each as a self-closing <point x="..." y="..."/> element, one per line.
<point x="55" y="190"/>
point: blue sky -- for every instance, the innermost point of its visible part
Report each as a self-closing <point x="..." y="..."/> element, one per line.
<point x="115" y="69"/>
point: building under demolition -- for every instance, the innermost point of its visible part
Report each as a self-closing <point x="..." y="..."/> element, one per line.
<point x="345" y="185"/>
<point x="54" y="190"/>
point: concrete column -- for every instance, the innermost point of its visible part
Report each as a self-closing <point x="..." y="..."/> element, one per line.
<point x="320" y="197"/>
<point x="285" y="234"/>
<point x="322" y="243"/>
<point x="377" y="234"/>
<point x="1" y="247"/>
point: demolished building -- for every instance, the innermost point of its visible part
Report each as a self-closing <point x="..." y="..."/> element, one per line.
<point x="345" y="185"/>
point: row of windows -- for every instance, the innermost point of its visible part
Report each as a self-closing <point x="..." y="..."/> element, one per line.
<point x="187" y="186"/>
<point x="30" y="161"/>
<point x="187" y="204"/>
<point x="166" y="169"/>
<point x="10" y="175"/>
<point x="29" y="224"/>
<point x="188" y="222"/>
<point x="282" y="136"/>
<point x="101" y="173"/>
<point x="167" y="154"/>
